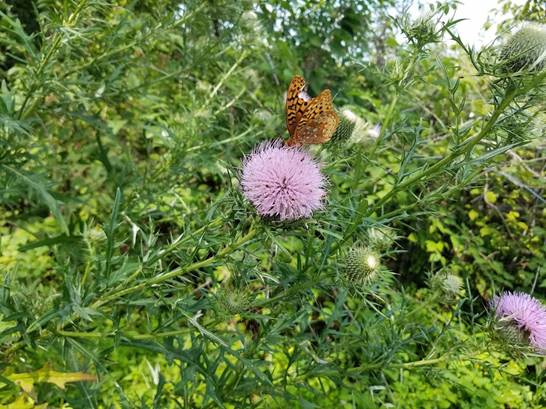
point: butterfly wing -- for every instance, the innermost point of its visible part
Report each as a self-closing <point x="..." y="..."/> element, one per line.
<point x="296" y="103"/>
<point x="318" y="122"/>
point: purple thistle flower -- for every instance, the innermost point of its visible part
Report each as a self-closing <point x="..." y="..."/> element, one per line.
<point x="282" y="181"/>
<point x="525" y="313"/>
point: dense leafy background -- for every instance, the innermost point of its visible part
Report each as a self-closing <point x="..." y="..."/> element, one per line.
<point x="121" y="136"/>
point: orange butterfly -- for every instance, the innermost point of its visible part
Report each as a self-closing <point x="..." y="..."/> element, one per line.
<point x="309" y="120"/>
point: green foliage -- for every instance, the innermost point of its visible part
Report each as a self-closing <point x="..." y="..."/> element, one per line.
<point x="135" y="271"/>
<point x="323" y="32"/>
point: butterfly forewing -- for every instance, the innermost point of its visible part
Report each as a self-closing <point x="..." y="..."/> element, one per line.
<point x="318" y="122"/>
<point x="296" y="103"/>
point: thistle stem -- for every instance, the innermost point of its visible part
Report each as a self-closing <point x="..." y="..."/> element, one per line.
<point x="131" y="334"/>
<point x="176" y="272"/>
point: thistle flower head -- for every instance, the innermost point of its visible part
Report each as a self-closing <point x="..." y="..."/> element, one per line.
<point x="450" y="286"/>
<point x="231" y="300"/>
<point x="423" y="29"/>
<point x="361" y="265"/>
<point x="381" y="238"/>
<point x="519" y="317"/>
<point x="347" y="123"/>
<point x="354" y="129"/>
<point x="281" y="181"/>
<point x="526" y="49"/>
<point x="249" y="15"/>
<point x="453" y="284"/>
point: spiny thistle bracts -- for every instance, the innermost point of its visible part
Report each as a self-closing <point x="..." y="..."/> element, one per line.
<point x="423" y="30"/>
<point x="346" y="127"/>
<point x="231" y="300"/>
<point x="361" y="266"/>
<point x="449" y="286"/>
<point x="526" y="49"/>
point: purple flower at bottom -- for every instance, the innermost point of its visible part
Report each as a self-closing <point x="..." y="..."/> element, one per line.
<point x="525" y="313"/>
<point x="282" y="181"/>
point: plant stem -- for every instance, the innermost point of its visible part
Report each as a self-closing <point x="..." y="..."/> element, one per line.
<point x="384" y="126"/>
<point x="422" y="362"/>
<point x="131" y="334"/>
<point x="390" y="111"/>
<point x="55" y="43"/>
<point x="176" y="272"/>
<point x="383" y="366"/>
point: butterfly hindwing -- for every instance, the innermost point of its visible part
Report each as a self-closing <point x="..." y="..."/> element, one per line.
<point x="318" y="122"/>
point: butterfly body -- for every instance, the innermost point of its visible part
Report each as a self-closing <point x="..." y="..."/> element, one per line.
<point x="309" y="120"/>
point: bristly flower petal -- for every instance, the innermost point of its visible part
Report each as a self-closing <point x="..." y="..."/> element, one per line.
<point x="283" y="181"/>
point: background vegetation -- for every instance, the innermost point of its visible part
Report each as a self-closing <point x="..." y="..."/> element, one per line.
<point x="135" y="274"/>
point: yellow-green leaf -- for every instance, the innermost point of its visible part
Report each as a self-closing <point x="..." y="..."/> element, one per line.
<point x="486" y="231"/>
<point x="24" y="402"/>
<point x="434" y="247"/>
<point x="490" y="197"/>
<point x="512" y="215"/>
<point x="27" y="380"/>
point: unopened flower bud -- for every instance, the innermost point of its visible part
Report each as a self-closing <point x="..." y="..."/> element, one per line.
<point x="346" y="127"/>
<point x="450" y="286"/>
<point x="232" y="300"/>
<point x="526" y="49"/>
<point x="423" y="30"/>
<point x="361" y="265"/>
<point x="381" y="238"/>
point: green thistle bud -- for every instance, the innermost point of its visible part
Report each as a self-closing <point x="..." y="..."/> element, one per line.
<point x="249" y="18"/>
<point x="346" y="127"/>
<point x="362" y="266"/>
<point x="232" y="300"/>
<point x="509" y="337"/>
<point x="450" y="286"/>
<point x="423" y="30"/>
<point x="508" y="332"/>
<point x="526" y="49"/>
<point x="381" y="238"/>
